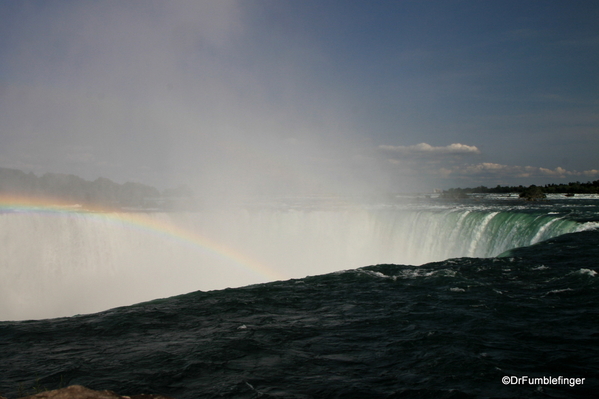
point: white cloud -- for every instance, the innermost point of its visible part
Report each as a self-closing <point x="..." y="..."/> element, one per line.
<point x="591" y="173"/>
<point x="488" y="169"/>
<point x="426" y="149"/>
<point x="448" y="163"/>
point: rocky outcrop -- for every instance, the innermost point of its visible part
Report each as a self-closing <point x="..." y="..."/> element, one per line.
<point x="80" y="392"/>
<point x="533" y="193"/>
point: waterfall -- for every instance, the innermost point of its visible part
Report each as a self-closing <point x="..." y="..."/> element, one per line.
<point x="60" y="264"/>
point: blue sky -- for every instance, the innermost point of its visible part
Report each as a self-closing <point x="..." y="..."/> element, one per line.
<point x="261" y="97"/>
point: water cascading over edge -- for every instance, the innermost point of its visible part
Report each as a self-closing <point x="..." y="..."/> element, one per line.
<point x="67" y="263"/>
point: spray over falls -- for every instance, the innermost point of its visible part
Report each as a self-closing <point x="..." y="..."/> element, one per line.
<point x="67" y="263"/>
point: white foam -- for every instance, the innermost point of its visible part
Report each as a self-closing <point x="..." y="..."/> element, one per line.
<point x="588" y="272"/>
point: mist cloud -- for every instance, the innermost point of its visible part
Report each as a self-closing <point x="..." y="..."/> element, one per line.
<point x="170" y="93"/>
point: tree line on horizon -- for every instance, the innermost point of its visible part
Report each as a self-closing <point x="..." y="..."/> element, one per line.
<point x="528" y="192"/>
<point x="100" y="192"/>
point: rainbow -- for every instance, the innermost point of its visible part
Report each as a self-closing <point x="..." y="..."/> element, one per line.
<point x="141" y="221"/>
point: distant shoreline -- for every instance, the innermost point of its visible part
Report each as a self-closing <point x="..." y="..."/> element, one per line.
<point x="531" y="192"/>
<point x="62" y="190"/>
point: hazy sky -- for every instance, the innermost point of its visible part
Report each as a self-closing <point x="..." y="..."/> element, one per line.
<point x="320" y="96"/>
